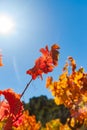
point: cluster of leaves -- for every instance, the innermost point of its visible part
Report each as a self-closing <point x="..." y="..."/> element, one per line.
<point x="28" y="122"/>
<point x="46" y="62"/>
<point x="55" y="125"/>
<point x="71" y="90"/>
<point x="11" y="107"/>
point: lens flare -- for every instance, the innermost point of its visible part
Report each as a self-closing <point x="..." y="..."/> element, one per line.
<point x="6" y="24"/>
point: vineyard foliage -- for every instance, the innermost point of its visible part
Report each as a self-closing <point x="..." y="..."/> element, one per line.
<point x="70" y="90"/>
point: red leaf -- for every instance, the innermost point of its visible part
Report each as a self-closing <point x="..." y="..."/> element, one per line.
<point x="13" y="100"/>
<point x="12" y="107"/>
<point x="45" y="63"/>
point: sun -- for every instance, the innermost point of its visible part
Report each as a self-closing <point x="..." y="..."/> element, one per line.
<point x="6" y="24"/>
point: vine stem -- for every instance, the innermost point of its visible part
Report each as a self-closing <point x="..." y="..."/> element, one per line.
<point x="26" y="87"/>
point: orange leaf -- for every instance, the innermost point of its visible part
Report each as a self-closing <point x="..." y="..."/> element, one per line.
<point x="1" y="64"/>
<point x="72" y="63"/>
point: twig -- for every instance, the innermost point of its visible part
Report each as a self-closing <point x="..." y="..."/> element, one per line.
<point x="26" y="88"/>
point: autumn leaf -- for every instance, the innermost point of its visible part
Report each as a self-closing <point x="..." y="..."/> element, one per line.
<point x="45" y="63"/>
<point x="12" y="97"/>
<point x="72" y="63"/>
<point x="4" y="110"/>
<point x="1" y="63"/>
<point x="55" y="54"/>
<point x="12" y="107"/>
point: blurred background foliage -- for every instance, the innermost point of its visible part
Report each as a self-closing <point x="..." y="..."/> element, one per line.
<point x="46" y="110"/>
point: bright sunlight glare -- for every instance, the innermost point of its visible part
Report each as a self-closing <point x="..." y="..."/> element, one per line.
<point x="6" y="24"/>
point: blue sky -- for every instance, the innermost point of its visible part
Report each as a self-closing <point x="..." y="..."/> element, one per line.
<point x="39" y="23"/>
